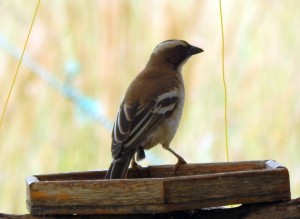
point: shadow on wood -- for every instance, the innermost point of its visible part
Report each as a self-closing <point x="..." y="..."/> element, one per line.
<point x="275" y="210"/>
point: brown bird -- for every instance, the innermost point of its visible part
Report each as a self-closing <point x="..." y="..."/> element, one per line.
<point x="151" y="109"/>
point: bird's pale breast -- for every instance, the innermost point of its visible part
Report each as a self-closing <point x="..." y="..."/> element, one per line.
<point x="165" y="132"/>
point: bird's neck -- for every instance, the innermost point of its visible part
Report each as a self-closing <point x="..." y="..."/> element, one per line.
<point x="158" y="62"/>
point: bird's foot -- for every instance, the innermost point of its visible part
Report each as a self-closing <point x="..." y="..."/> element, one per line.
<point x="178" y="164"/>
<point x="136" y="166"/>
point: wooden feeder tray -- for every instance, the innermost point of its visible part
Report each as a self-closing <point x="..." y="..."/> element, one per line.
<point x="155" y="189"/>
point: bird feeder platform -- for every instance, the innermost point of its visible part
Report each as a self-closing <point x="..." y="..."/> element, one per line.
<point x="155" y="189"/>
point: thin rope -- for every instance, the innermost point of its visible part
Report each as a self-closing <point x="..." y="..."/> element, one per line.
<point x="19" y="64"/>
<point x="224" y="83"/>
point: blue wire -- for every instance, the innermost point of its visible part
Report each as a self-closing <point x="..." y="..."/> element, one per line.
<point x="88" y="105"/>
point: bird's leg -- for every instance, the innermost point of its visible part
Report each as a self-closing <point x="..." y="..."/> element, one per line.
<point x="135" y="165"/>
<point x="180" y="159"/>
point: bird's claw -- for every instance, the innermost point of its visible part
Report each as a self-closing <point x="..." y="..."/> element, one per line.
<point x="136" y="166"/>
<point x="178" y="164"/>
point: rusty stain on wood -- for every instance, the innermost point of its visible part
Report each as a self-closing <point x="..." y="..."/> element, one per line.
<point x="155" y="189"/>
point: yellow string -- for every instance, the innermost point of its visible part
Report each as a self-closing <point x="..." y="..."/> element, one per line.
<point x="20" y="61"/>
<point x="224" y="83"/>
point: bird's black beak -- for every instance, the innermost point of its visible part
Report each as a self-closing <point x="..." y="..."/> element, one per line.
<point x="194" y="50"/>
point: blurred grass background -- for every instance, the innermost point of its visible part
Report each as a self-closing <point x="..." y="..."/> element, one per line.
<point x="99" y="46"/>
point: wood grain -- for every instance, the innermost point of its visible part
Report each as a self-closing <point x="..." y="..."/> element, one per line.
<point x="274" y="210"/>
<point x="156" y="189"/>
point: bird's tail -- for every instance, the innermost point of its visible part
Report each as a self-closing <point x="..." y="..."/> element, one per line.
<point x="119" y="167"/>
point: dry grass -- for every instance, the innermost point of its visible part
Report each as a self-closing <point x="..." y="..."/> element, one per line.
<point x="111" y="41"/>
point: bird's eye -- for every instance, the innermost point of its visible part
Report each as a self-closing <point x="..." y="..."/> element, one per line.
<point x="181" y="48"/>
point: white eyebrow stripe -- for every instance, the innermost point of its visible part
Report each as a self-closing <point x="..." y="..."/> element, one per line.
<point x="167" y="45"/>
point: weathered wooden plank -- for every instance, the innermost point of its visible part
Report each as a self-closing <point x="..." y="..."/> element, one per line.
<point x="157" y="189"/>
<point x="274" y="210"/>
<point x="251" y="187"/>
<point x="162" y="171"/>
<point x="86" y="175"/>
<point x="205" y="168"/>
<point x="96" y="193"/>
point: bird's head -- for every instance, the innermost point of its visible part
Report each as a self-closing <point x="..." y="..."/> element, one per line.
<point x="174" y="52"/>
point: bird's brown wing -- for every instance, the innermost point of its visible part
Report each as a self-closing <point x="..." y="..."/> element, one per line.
<point x="135" y="122"/>
<point x="122" y="127"/>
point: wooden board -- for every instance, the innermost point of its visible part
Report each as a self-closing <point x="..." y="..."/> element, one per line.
<point x="156" y="189"/>
<point x="275" y="210"/>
